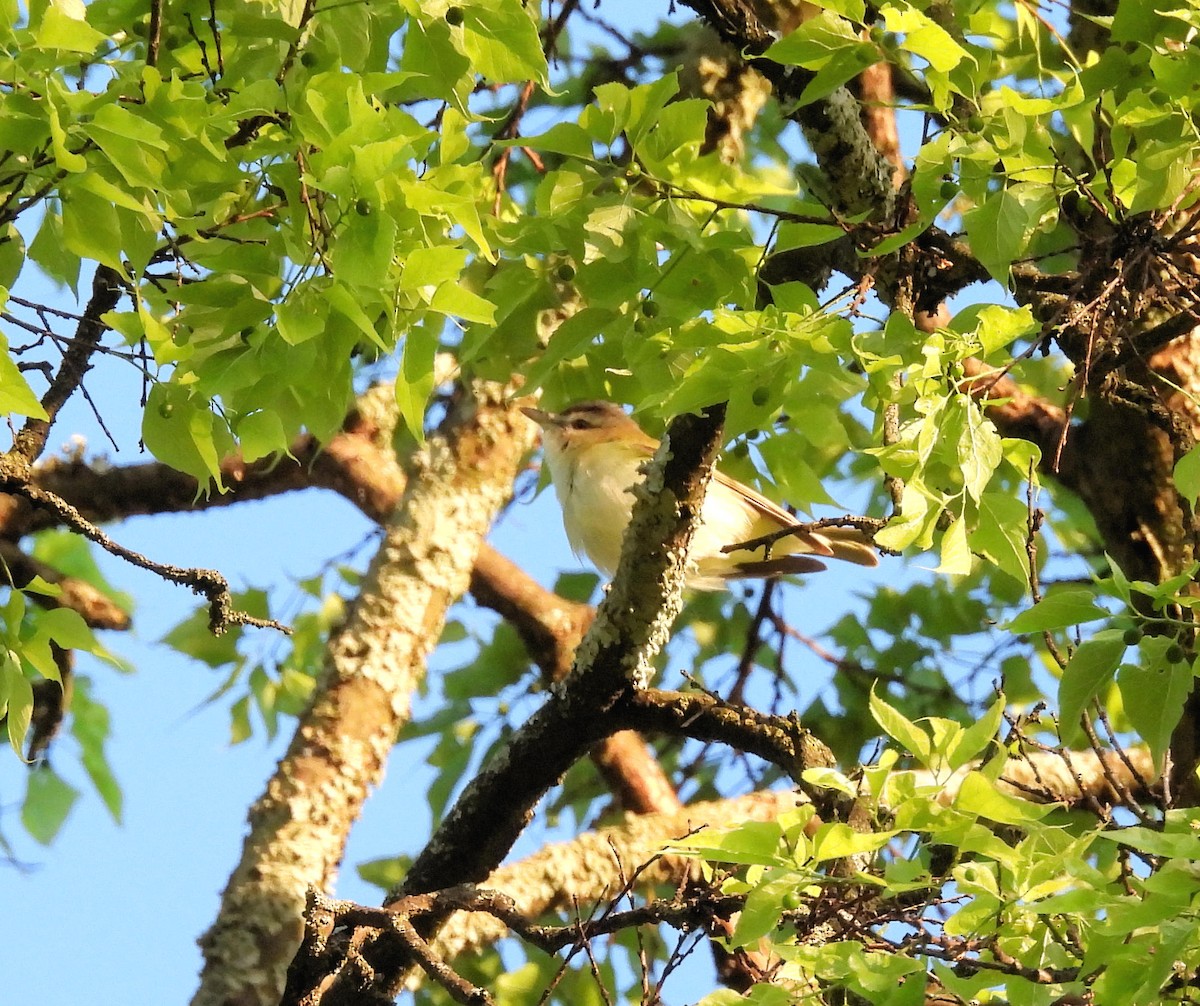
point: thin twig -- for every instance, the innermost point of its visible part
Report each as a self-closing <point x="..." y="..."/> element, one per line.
<point x="208" y="582"/>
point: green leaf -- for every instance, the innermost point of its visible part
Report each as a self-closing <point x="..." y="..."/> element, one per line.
<point x="1153" y="694"/>
<point x="816" y="41"/>
<point x="91" y="228"/>
<point x="838" y="841"/>
<point x="66" y="159"/>
<point x="647" y="103"/>
<point x="923" y="36"/>
<point x="452" y="298"/>
<point x="976" y="737"/>
<point x="979" y="447"/>
<point x="432" y="266"/>
<point x="994" y="325"/>
<point x="16" y="697"/>
<point x="764" y="906"/>
<point x="386" y="873"/>
<point x="63" y="27"/>
<point x="71" y="554"/>
<point x="752" y="843"/>
<point x="90" y="727"/>
<point x="1187" y="474"/>
<point x="978" y="795"/>
<point x="415" y="383"/>
<point x="501" y="41"/>
<point x="1090" y="668"/>
<point x="999" y="229"/>
<point x="193" y="638"/>
<point x="15" y="394"/>
<point x="900" y="729"/>
<point x="1000" y="533"/>
<point x="956" y="559"/>
<point x="796" y="235"/>
<point x="49" y="250"/>
<point x="261" y="434"/>
<point x="364" y="251"/>
<point x="1057" y="611"/>
<point x="183" y="432"/>
<point x="48" y="802"/>
<point x="1173" y="844"/>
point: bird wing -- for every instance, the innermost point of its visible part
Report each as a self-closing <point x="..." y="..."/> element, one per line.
<point x="846" y="543"/>
<point x="774" y="512"/>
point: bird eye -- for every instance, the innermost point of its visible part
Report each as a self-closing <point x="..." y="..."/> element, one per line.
<point x="580" y="424"/>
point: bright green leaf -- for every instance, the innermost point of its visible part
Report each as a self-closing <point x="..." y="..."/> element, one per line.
<point x="48" y="803"/>
<point x="1090" y="668"/>
<point x="1057" y="611"/>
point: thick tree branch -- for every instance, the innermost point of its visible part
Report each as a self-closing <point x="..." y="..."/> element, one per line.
<point x="614" y="657"/>
<point x="360" y="465"/>
<point x="299" y="826"/>
<point x="780" y="740"/>
<point x="859" y="175"/>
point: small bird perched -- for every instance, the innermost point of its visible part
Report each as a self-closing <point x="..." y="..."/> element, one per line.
<point x="594" y="450"/>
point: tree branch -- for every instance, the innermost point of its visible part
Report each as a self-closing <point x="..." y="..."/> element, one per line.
<point x="615" y="656"/>
<point x="30" y="441"/>
<point x="299" y="826"/>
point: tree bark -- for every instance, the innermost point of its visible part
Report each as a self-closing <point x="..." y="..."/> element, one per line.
<point x="298" y="827"/>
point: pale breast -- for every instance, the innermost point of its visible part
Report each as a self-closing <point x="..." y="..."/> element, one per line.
<point x="596" y="501"/>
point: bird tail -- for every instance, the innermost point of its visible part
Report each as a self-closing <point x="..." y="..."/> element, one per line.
<point x="848" y="544"/>
<point x="785" y="565"/>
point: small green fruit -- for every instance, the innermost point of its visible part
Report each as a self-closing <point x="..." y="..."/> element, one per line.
<point x="309" y="59"/>
<point x="948" y="189"/>
<point x="454" y="16"/>
<point x="565" y="272"/>
<point x="363" y="208"/>
<point x="1131" y="636"/>
<point x="166" y="409"/>
<point x="650" y="308"/>
<point x="1175" y="654"/>
<point x="760" y="396"/>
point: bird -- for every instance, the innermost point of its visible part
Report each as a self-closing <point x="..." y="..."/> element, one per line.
<point x="594" y="450"/>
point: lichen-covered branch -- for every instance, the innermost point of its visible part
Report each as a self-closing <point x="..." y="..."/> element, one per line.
<point x="858" y="173"/>
<point x="615" y="656"/>
<point x="299" y="826"/>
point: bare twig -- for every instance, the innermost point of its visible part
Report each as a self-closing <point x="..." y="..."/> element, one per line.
<point x="208" y="582"/>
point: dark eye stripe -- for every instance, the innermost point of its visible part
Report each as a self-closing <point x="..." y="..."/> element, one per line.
<point x="591" y="416"/>
<point x="588" y="408"/>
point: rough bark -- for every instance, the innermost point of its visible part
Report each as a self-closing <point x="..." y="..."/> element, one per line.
<point x="298" y="827"/>
<point x="615" y="656"/>
<point x="360" y="465"/>
<point x="858" y="175"/>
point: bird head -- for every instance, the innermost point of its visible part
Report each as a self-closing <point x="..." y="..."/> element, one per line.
<point x="587" y="424"/>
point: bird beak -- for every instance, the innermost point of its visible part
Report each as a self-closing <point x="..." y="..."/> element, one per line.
<point x="543" y="419"/>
